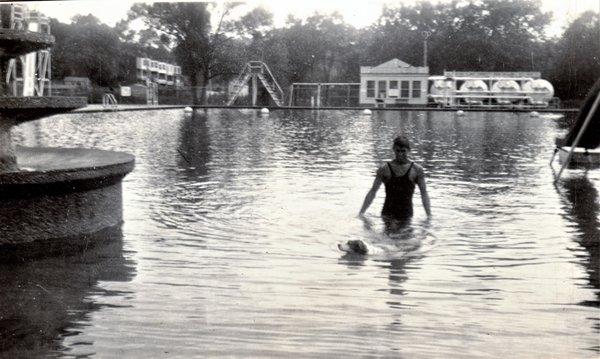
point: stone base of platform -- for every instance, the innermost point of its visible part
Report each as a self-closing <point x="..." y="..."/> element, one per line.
<point x="60" y="200"/>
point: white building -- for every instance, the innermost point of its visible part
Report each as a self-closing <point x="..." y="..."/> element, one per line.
<point x="29" y="74"/>
<point x="491" y="89"/>
<point x="393" y="82"/>
<point x="158" y="72"/>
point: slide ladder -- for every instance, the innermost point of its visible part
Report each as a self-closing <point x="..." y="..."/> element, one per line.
<point x="109" y="100"/>
<point x="256" y="70"/>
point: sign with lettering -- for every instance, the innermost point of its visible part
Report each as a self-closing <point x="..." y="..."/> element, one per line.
<point x="125" y="91"/>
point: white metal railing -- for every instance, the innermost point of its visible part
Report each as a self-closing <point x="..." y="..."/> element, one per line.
<point x="272" y="79"/>
<point x="238" y="84"/>
<point x="239" y="81"/>
<point x="109" y="101"/>
<point x="261" y="71"/>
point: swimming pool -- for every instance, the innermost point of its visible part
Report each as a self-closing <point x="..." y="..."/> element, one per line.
<point x="231" y="225"/>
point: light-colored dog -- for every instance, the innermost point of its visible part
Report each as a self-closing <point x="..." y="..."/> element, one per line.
<point x="356" y="246"/>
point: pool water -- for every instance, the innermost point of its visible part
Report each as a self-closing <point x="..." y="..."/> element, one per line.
<point x="230" y="233"/>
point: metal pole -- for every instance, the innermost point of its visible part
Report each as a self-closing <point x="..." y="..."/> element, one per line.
<point x="587" y="121"/>
<point x="426" y="35"/>
<point x="254" y="89"/>
<point x="49" y="74"/>
<point x="425" y="52"/>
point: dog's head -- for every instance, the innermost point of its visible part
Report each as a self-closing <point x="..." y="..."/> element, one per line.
<point x="354" y="246"/>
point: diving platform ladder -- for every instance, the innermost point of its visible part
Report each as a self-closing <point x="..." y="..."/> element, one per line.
<point x="255" y="71"/>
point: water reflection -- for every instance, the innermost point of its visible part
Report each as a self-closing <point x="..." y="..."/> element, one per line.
<point x="393" y="247"/>
<point x="46" y="300"/>
<point x="398" y="275"/>
<point x="581" y="206"/>
<point x="194" y="145"/>
<point x="580" y="202"/>
<point x="567" y="120"/>
<point x="315" y="139"/>
<point x="407" y="241"/>
<point x="29" y="134"/>
<point x="478" y="145"/>
<point x="235" y="242"/>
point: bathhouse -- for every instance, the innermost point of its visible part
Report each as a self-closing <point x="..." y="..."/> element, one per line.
<point x="393" y="82"/>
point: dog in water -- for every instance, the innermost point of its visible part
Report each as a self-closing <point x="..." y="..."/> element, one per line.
<point x="383" y="246"/>
<point x="355" y="246"/>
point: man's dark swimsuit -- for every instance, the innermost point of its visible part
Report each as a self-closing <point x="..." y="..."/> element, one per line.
<point x="398" y="196"/>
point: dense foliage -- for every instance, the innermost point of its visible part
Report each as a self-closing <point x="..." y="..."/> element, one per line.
<point x="492" y="35"/>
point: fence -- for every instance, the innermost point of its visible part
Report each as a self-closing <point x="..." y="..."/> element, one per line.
<point x="139" y="95"/>
<point x="324" y="94"/>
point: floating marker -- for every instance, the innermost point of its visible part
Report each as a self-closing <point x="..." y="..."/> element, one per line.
<point x="460" y="113"/>
<point x="264" y="111"/>
<point x="534" y="114"/>
<point x="366" y="111"/>
<point x="188" y="109"/>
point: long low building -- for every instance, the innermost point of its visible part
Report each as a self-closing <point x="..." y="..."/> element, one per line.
<point x="491" y="89"/>
<point x="159" y="72"/>
<point x="396" y="83"/>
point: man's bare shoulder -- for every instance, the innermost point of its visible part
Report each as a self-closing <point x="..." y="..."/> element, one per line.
<point x="417" y="172"/>
<point x="420" y="170"/>
<point x="383" y="171"/>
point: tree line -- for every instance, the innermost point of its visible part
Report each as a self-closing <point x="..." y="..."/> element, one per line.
<point x="211" y="44"/>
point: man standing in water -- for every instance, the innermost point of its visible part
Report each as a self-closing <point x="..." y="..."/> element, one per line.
<point x="399" y="177"/>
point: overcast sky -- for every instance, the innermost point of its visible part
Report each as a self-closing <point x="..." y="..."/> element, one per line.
<point x="359" y="13"/>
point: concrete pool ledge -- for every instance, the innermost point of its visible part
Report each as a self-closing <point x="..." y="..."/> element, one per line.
<point x="60" y="199"/>
<point x="124" y="108"/>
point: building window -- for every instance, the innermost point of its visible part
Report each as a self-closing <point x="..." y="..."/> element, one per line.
<point x="370" y="88"/>
<point x="416" y="89"/>
<point x="381" y="89"/>
<point x="394" y="89"/>
<point x="404" y="89"/>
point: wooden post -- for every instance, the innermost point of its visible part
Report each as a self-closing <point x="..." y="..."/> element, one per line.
<point x="348" y="95"/>
<point x="319" y="95"/>
<point x="49" y="75"/>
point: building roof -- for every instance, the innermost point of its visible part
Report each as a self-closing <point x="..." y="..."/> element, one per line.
<point x="393" y="63"/>
<point x="493" y="74"/>
<point x="394" y="66"/>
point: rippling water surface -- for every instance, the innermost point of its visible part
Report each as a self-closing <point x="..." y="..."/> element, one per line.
<point x="229" y="242"/>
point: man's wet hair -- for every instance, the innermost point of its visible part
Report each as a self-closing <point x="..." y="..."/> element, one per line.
<point x="401" y="141"/>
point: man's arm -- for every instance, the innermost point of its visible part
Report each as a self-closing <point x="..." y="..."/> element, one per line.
<point x="371" y="194"/>
<point x="424" y="195"/>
